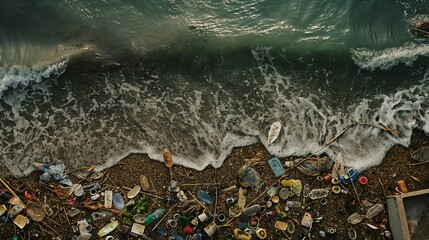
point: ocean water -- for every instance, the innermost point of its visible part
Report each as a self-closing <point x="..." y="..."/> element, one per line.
<point x="88" y="82"/>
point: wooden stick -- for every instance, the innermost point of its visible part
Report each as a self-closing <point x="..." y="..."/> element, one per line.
<point x="8" y="188"/>
<point x="353" y="185"/>
<point x="198" y="184"/>
<point x="422" y="31"/>
<point x="382" y="186"/>
<point x="165" y="215"/>
<point x="202" y="205"/>
<point x="9" y="169"/>
<point x="66" y="216"/>
<point x="420" y="163"/>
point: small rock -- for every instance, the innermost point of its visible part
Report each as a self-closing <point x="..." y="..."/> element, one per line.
<point x="144" y="183"/>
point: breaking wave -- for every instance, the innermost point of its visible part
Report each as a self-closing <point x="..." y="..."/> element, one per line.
<point x="387" y="58"/>
<point x="21" y="76"/>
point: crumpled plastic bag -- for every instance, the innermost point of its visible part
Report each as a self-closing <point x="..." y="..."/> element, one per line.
<point x="294" y="184"/>
<point x="315" y="166"/>
<point x="249" y="177"/>
<point x="421" y="155"/>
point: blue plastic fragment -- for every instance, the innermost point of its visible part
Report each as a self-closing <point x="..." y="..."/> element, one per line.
<point x="160" y="231"/>
<point x="243" y="225"/>
<point x="118" y="201"/>
<point x="351" y="175"/>
<point x="199" y="236"/>
<point x="276" y="166"/>
<point x="204" y="197"/>
<point x="176" y="237"/>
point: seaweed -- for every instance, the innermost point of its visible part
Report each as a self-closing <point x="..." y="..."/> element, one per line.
<point x="139" y="207"/>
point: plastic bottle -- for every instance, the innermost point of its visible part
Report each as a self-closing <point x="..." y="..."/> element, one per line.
<point x="241" y="202"/>
<point x="293" y="204"/>
<point x="252" y="210"/>
<point x="154" y="216"/>
<point x="355" y="218"/>
<point x="100" y="215"/>
<point x="374" y="210"/>
<point x="108" y="228"/>
<point x="318" y="193"/>
<point x="306" y="190"/>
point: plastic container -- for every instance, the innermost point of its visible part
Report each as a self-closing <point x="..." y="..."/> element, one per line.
<point x="374" y="210"/>
<point x="293" y="204"/>
<point x="318" y="193"/>
<point x="101" y="215"/>
<point x="306" y="190"/>
<point x="355" y="218"/>
<point x="351" y="175"/>
<point x="108" y="228"/>
<point x="154" y="216"/>
<point x="204" y="197"/>
<point x="252" y="210"/>
<point x="241" y="198"/>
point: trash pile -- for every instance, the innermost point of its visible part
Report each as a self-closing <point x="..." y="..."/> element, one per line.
<point x="288" y="202"/>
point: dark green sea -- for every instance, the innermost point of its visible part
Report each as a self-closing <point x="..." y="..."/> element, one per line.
<point x="88" y="82"/>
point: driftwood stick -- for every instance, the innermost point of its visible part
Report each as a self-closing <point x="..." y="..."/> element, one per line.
<point x="8" y="188"/>
<point x="420" y="163"/>
<point x="353" y="185"/>
<point x="199" y="184"/>
<point x="422" y="31"/>
<point x="382" y="186"/>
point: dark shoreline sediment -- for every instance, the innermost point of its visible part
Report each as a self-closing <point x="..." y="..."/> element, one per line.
<point x="395" y="166"/>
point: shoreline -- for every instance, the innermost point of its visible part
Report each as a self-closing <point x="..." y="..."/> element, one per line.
<point x="125" y="175"/>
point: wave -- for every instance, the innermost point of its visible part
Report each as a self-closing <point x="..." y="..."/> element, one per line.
<point x="21" y="76"/>
<point x="387" y="58"/>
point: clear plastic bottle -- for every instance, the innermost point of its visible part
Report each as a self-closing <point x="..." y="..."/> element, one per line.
<point x="318" y="193"/>
<point x="154" y="216"/>
<point x="375" y="210"/>
<point x="252" y="210"/>
<point x="293" y="204"/>
<point x="355" y="218"/>
<point x="241" y="202"/>
<point x="101" y="215"/>
<point x="108" y="228"/>
<point x="306" y="190"/>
